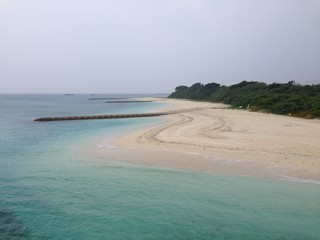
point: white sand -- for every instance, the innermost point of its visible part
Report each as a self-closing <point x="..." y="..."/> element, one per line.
<point x="225" y="141"/>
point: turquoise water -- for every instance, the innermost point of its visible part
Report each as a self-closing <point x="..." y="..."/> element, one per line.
<point x="48" y="190"/>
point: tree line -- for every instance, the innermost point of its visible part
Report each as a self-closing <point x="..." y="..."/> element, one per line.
<point x="279" y="98"/>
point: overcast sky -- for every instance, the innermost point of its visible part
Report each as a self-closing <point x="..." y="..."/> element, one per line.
<point x="149" y="46"/>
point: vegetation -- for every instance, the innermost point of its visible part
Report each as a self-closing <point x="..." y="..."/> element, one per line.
<point x="289" y="98"/>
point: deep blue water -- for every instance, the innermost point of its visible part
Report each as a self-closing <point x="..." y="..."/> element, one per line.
<point x="48" y="190"/>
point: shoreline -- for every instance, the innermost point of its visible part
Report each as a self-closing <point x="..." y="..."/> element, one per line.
<point x="227" y="141"/>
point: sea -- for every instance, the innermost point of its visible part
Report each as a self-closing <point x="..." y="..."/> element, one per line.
<point x="49" y="189"/>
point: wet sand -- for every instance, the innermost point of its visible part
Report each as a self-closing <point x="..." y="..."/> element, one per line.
<point x="222" y="140"/>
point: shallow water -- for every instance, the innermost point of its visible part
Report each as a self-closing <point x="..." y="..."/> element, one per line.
<point x="48" y="190"/>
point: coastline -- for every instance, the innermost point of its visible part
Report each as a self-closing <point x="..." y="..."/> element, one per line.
<point x="221" y="140"/>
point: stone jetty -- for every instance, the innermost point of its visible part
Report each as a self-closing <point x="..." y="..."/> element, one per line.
<point x="114" y="116"/>
<point x="130" y="101"/>
<point x="115" y="98"/>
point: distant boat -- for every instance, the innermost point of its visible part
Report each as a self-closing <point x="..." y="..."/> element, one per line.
<point x="69" y="94"/>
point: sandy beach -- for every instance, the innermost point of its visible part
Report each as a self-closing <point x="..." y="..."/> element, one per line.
<point x="221" y="140"/>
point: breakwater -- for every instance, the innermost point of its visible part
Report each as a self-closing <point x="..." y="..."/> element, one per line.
<point x="114" y="116"/>
<point x="129" y="101"/>
<point x="107" y="98"/>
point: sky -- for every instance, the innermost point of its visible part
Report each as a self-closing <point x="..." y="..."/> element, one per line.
<point x="152" y="46"/>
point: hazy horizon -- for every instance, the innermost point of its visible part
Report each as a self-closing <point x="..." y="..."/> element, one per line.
<point x="56" y="46"/>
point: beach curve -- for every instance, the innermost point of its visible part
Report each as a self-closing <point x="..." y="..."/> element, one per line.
<point x="222" y="140"/>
